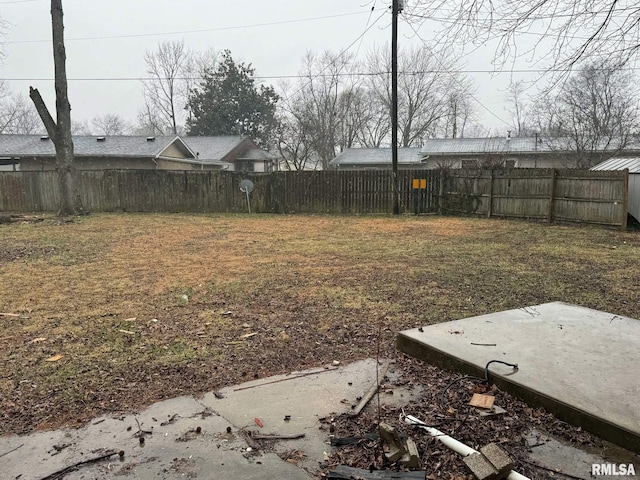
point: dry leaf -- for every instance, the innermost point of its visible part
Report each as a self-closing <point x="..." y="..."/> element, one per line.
<point x="55" y="358"/>
<point x="128" y="332"/>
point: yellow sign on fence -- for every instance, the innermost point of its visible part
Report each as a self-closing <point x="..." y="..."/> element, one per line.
<point x="419" y="183"/>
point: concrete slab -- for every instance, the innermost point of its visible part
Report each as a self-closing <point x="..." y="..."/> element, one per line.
<point x="558" y="456"/>
<point x="173" y="450"/>
<point x="580" y="364"/>
<point x="177" y="449"/>
<point x="303" y="399"/>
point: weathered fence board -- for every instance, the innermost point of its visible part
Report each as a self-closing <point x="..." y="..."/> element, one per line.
<point x="566" y="195"/>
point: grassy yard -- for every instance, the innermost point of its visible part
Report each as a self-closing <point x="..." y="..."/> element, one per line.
<point x="145" y="307"/>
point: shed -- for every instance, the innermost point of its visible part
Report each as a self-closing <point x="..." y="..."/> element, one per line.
<point x="633" y="165"/>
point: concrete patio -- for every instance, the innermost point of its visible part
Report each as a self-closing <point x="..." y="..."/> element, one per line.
<point x="580" y="364"/>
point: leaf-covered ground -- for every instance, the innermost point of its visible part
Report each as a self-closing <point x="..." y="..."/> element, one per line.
<point x="146" y="307"/>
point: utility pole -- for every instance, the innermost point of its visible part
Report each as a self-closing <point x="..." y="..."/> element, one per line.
<point x="395" y="10"/>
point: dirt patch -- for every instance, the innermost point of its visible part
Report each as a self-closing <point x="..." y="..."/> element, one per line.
<point x="147" y="307"/>
<point x="21" y="251"/>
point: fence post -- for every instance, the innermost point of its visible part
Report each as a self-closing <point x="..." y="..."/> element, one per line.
<point x="441" y="192"/>
<point x="490" y="206"/>
<point x="552" y="195"/>
<point x="625" y="199"/>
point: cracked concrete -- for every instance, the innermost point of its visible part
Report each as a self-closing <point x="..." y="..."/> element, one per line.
<point x="201" y="438"/>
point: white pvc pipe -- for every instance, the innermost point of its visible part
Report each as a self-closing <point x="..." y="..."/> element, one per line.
<point x="454" y="444"/>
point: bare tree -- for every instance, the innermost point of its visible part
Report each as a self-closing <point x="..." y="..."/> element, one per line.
<point x="110" y="124"/>
<point x="60" y="131"/>
<point x="164" y="98"/>
<point x="80" y="127"/>
<point x="194" y="71"/>
<point x="323" y="101"/>
<point x="293" y="143"/>
<point x="374" y="122"/>
<point x="424" y="87"/>
<point x="174" y="73"/>
<point x="563" y="32"/>
<point x="594" y="114"/>
<point x="517" y="107"/>
<point x="18" y="116"/>
<point x="460" y="110"/>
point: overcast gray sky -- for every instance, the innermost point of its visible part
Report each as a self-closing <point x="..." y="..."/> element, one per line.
<point x="108" y="40"/>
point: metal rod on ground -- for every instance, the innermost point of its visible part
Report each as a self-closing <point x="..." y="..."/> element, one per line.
<point x="287" y="379"/>
<point x="454" y="444"/>
<point x="372" y="391"/>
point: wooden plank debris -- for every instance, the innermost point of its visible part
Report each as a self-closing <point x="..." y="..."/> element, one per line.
<point x="482" y="401"/>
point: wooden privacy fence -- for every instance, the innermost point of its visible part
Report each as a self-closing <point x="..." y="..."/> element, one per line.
<point x="546" y="194"/>
<point x="210" y="191"/>
<point x="567" y="195"/>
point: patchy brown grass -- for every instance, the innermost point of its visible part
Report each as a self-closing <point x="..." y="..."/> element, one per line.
<point x="137" y="304"/>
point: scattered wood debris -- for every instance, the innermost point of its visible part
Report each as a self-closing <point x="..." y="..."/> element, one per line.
<point x="277" y="436"/>
<point x="342" y="472"/>
<point x="506" y="425"/>
<point x="172" y="419"/>
<point x="13" y="218"/>
<point x="60" y="474"/>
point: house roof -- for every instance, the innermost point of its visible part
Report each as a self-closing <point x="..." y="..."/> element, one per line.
<point x="461" y="146"/>
<point x="93" y="145"/>
<point x="212" y="149"/>
<point x="633" y="164"/>
<point x="474" y="146"/>
<point x="376" y="156"/>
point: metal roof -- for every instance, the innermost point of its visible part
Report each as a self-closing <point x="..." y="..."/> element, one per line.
<point x="376" y="156"/>
<point x="461" y="146"/>
<point x="94" y="145"/>
<point x="633" y="164"/>
<point x="471" y="146"/>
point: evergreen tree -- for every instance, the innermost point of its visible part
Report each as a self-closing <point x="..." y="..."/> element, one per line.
<point x="228" y="102"/>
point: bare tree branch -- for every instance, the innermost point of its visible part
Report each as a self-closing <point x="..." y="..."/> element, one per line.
<point x="560" y="33"/>
<point x="43" y="111"/>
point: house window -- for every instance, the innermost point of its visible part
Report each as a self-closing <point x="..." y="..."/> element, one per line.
<point x="470" y="163"/>
<point x="245" y="166"/>
<point x="510" y="164"/>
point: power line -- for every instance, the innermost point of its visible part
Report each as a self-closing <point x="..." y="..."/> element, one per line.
<point x="366" y="27"/>
<point x="319" y="75"/>
<point x="455" y="79"/>
<point x="182" y="32"/>
<point x="342" y="54"/>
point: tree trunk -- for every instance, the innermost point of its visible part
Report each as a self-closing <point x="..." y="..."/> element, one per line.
<point x="70" y="203"/>
<point x="60" y="131"/>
